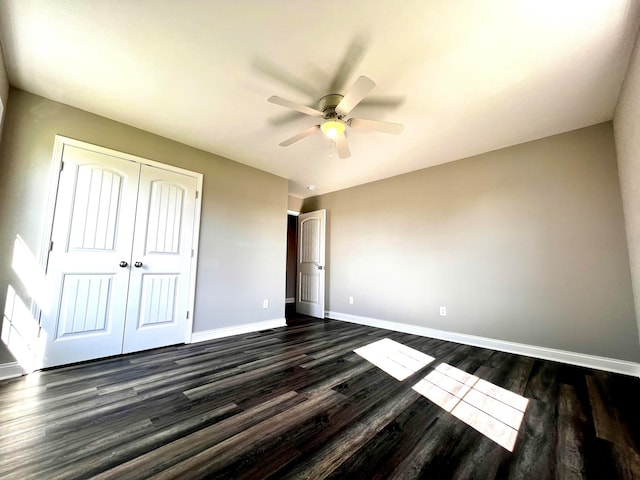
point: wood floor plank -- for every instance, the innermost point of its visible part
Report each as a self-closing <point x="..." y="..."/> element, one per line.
<point x="171" y="453"/>
<point x="429" y="458"/>
<point x="535" y="451"/>
<point x="475" y="456"/>
<point x="70" y="457"/>
<point x="223" y="453"/>
<point x="335" y="452"/>
<point x="116" y="452"/>
<point x="615" y="421"/>
<point x="297" y="402"/>
<point x="375" y="460"/>
<point x="571" y="427"/>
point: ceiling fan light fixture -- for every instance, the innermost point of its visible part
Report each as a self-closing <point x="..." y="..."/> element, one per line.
<point x="333" y="128"/>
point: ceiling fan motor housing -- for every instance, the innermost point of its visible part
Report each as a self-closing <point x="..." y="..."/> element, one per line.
<point x="328" y="104"/>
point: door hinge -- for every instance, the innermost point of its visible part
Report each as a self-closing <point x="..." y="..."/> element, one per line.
<point x="192" y="252"/>
<point x="196" y="194"/>
<point x="187" y="314"/>
<point x="51" y="246"/>
<point x="61" y="166"/>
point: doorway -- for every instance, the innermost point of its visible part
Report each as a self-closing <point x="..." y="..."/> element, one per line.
<point x="306" y="266"/>
<point x="292" y="246"/>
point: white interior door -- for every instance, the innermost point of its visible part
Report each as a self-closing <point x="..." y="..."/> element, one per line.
<point x="91" y="251"/>
<point x="311" y="266"/>
<point x="120" y="267"/>
<point x="162" y="249"/>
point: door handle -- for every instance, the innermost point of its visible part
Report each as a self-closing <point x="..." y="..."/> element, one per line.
<point x="137" y="264"/>
<point x="124" y="264"/>
<point x="320" y="267"/>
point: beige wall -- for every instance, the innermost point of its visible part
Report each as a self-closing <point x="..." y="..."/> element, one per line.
<point x="524" y="244"/>
<point x="626" y="123"/>
<point x="4" y="90"/>
<point x="244" y="210"/>
<point x="4" y="81"/>
<point x="295" y="203"/>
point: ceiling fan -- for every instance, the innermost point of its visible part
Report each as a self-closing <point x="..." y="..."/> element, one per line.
<point x="333" y="109"/>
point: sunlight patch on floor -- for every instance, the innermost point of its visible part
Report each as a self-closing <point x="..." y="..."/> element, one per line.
<point x="493" y="411"/>
<point x="394" y="358"/>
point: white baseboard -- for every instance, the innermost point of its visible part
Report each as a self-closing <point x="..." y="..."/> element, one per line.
<point x="563" y="356"/>
<point x="10" y="370"/>
<point x="290" y="300"/>
<point x="237" y="330"/>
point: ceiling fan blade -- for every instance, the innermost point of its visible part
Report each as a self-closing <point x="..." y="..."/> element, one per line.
<point x="300" y="136"/>
<point x="283" y="102"/>
<point x="385" y="127"/>
<point x="342" y="146"/>
<point x="354" y="96"/>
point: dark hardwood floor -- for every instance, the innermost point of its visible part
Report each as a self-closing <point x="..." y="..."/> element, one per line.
<point x="297" y="402"/>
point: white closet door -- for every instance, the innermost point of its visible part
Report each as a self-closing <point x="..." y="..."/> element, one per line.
<point x="161" y="260"/>
<point x="88" y="269"/>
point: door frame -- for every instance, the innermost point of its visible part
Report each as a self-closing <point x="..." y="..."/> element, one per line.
<point x="54" y="177"/>
<point x="321" y="265"/>
<point x="292" y="300"/>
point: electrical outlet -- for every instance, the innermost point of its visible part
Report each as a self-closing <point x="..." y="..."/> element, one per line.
<point x="443" y="311"/>
<point x="265" y="303"/>
<point x="350" y="300"/>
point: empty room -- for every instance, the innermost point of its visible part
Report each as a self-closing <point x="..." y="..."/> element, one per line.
<point x="309" y="240"/>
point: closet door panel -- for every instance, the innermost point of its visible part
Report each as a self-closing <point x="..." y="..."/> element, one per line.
<point x="92" y="237"/>
<point x="161" y="259"/>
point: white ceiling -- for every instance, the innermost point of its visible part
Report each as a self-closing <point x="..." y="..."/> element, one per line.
<point x="463" y="76"/>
